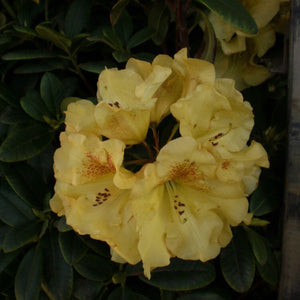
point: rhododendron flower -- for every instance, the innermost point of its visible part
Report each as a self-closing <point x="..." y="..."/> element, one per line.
<point x="80" y="118"/>
<point x="181" y="206"/>
<point x="215" y="113"/>
<point x="241" y="68"/>
<point x="92" y="191"/>
<point x="231" y="39"/>
<point x="126" y="99"/>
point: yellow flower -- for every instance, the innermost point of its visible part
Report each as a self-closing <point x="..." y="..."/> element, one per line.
<point x="181" y="206"/>
<point x="231" y="39"/>
<point x="80" y="118"/>
<point x="241" y="68"/>
<point x="126" y="99"/>
<point x="217" y="114"/>
<point x="92" y="190"/>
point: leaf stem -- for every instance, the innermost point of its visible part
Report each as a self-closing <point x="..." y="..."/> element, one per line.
<point x="156" y="137"/>
<point x="149" y="150"/>
<point x="174" y="130"/>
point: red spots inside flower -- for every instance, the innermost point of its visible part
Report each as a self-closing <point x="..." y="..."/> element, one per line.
<point x="186" y="170"/>
<point x="102" y="197"/>
<point x="93" y="166"/>
<point x="216" y="137"/>
<point x="181" y="212"/>
<point x="225" y="165"/>
<point x="117" y="104"/>
<point x="214" y="144"/>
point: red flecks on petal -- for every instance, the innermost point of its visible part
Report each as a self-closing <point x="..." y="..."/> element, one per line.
<point x="225" y="165"/>
<point x="93" y="167"/>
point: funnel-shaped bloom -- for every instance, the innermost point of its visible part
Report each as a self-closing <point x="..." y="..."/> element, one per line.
<point x="231" y="39"/>
<point x="182" y="208"/>
<point x="215" y="113"/>
<point x="92" y="191"/>
<point x="126" y="99"/>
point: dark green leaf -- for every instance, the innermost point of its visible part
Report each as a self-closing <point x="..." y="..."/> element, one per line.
<point x="12" y="115"/>
<point x="269" y="271"/>
<point x="174" y="277"/>
<point x="237" y="263"/>
<point x="24" y="30"/>
<point x="96" y="66"/>
<point x="85" y="289"/>
<point x="27" y="183"/>
<point x="57" y="279"/>
<point x="124" y="293"/>
<point x="109" y="37"/>
<point x="266" y="197"/>
<point x="28" y="277"/>
<point x="13" y="210"/>
<point x="77" y="17"/>
<point x="124" y="27"/>
<point x="205" y="295"/>
<point x="258" y="245"/>
<point x="34" y="106"/>
<point x="140" y="37"/>
<point x="53" y="36"/>
<point x="71" y="246"/>
<point x="7" y="258"/>
<point x="61" y="225"/>
<point x="3" y="231"/>
<point x="18" y="237"/>
<point x="8" y="96"/>
<point x="52" y="92"/>
<point x="41" y="67"/>
<point x="117" y="10"/>
<point x="99" y="247"/>
<point x="25" y="141"/>
<point x="233" y="12"/>
<point x="158" y="19"/>
<point x="95" y="267"/>
<point x="28" y="54"/>
<point x="121" y="55"/>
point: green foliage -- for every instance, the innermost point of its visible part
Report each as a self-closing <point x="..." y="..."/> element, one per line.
<point x="51" y="55"/>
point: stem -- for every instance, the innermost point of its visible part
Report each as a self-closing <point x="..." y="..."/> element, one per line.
<point x="156" y="138"/>
<point x="138" y="161"/>
<point x="175" y="128"/>
<point x="150" y="152"/>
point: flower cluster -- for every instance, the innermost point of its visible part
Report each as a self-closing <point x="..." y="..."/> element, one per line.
<point x="183" y="201"/>
<point x="237" y="51"/>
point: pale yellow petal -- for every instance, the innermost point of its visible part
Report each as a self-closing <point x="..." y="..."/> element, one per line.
<point x="56" y="205"/>
<point x="80" y="118"/>
<point x="129" y="126"/>
<point x="264" y="40"/>
<point x="83" y="158"/>
<point x="140" y="67"/>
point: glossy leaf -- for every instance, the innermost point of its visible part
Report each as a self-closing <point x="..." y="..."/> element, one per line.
<point x="28" y="54"/>
<point x="95" y="267"/>
<point x="140" y="37"/>
<point x="212" y="294"/>
<point x="12" y="115"/>
<point x="174" y="277"/>
<point x="117" y="10"/>
<point x="269" y="271"/>
<point x="28" y="277"/>
<point x="158" y="19"/>
<point x="72" y="248"/>
<point x="121" y="55"/>
<point x="52" y="93"/>
<point x="77" y="16"/>
<point x="237" y="263"/>
<point x="86" y="289"/>
<point x="20" y="236"/>
<point x="61" y="225"/>
<point x="41" y="67"/>
<point x="34" y="106"/>
<point x="8" y="96"/>
<point x="96" y="66"/>
<point x="24" y="30"/>
<point x="258" y="245"/>
<point x="266" y="197"/>
<point x="53" y="36"/>
<point x="13" y="210"/>
<point x="57" y="280"/>
<point x="233" y="12"/>
<point x="3" y="231"/>
<point x="27" y="183"/>
<point x="98" y="247"/>
<point x="25" y="141"/>
<point x="124" y="27"/>
<point x="124" y="293"/>
<point x="7" y="258"/>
